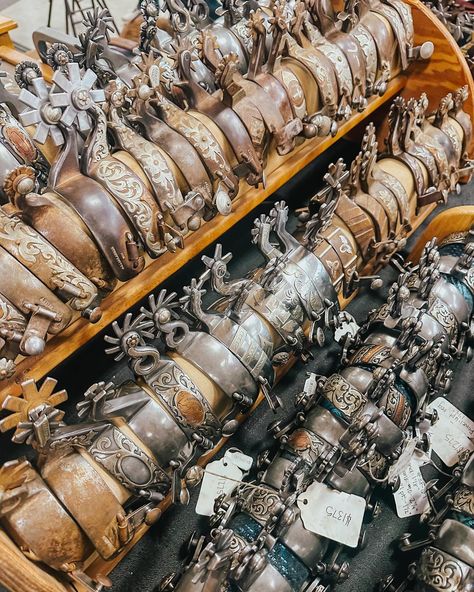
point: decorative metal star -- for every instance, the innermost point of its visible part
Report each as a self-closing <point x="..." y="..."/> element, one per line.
<point x="32" y="406"/>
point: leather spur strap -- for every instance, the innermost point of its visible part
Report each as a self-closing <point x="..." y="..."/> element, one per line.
<point x="98" y="210"/>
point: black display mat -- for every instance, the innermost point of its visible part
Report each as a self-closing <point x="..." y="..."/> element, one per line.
<point x="160" y="551"/>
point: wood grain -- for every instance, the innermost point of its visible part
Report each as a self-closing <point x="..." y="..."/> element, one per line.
<point x="453" y="220"/>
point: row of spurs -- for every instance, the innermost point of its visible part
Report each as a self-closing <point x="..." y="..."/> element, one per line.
<point x="88" y="219"/>
<point x="141" y="439"/>
<point x="61" y="250"/>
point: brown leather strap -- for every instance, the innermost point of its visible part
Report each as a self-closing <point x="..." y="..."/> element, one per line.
<point x="178" y="149"/>
<point x="99" y="212"/>
<point x="63" y="228"/>
<point x="358" y="221"/>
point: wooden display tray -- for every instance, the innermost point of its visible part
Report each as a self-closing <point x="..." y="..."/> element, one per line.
<point x="447" y="70"/>
<point x="447" y="64"/>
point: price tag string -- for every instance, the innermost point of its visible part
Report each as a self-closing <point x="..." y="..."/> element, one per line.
<point x="245" y="483"/>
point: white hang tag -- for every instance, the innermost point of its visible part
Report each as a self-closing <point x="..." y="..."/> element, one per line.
<point x="348" y="327"/>
<point x="220" y="477"/>
<point x="241" y="460"/>
<point x="403" y="460"/>
<point x="411" y="498"/>
<point x="453" y="433"/>
<point x="332" y="514"/>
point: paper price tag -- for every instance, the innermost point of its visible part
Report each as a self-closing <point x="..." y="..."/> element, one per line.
<point x="332" y="514"/>
<point x="221" y="477"/>
<point x="410" y="497"/>
<point x="238" y="458"/>
<point x="452" y="434"/>
<point x="403" y="461"/>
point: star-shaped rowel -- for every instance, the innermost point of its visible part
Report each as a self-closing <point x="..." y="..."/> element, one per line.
<point x="132" y="329"/>
<point x="13" y="474"/>
<point x="27" y="409"/>
<point x="41" y="113"/>
<point x="78" y="96"/>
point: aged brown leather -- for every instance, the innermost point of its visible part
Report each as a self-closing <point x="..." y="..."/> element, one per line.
<point x="45" y="312"/>
<point x="250" y="166"/>
<point x="63" y="228"/>
<point x="97" y="209"/>
<point x="129" y="191"/>
<point x="48" y="265"/>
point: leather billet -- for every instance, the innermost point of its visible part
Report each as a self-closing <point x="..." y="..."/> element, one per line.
<point x="49" y="265"/>
<point x="46" y="313"/>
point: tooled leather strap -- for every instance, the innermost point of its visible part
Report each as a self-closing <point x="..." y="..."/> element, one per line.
<point x="231" y="126"/>
<point x="202" y="139"/>
<point x="46" y="262"/>
<point x="98" y="211"/>
<point x="178" y="149"/>
<point x="68" y="234"/>
<point x="358" y="222"/>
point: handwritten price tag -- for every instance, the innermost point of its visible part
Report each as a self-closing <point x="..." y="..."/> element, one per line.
<point x="221" y="477"/>
<point x="452" y="434"/>
<point x="332" y="514"/>
<point x="410" y="497"/>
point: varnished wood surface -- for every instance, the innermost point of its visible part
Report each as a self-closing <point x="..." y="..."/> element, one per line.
<point x="453" y="220"/>
<point x="126" y="295"/>
<point x="26" y="576"/>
